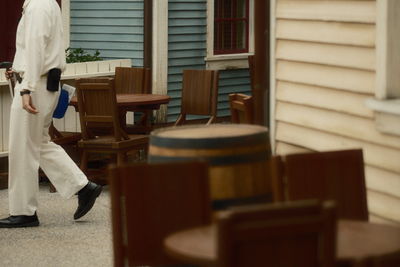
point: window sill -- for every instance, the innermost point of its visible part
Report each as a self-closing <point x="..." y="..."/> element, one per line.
<point x="228" y="62"/>
<point x="387" y="115"/>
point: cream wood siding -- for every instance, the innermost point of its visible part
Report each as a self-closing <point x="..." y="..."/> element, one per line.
<point x="324" y="71"/>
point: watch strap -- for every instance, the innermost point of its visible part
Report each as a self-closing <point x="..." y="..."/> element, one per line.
<point x="25" y="92"/>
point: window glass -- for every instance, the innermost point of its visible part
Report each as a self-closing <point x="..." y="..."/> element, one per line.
<point x="231" y="26"/>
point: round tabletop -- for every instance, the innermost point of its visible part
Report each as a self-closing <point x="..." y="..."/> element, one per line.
<point x="129" y="100"/>
<point x="356" y="240"/>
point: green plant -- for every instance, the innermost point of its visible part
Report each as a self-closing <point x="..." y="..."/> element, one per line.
<point x="79" y="55"/>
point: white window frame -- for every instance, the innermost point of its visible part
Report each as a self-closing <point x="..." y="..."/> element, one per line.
<point x="228" y="61"/>
<point x="386" y="104"/>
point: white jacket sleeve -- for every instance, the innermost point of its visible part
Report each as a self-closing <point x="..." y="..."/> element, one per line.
<point x="37" y="33"/>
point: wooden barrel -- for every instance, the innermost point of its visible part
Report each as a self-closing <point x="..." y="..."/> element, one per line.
<point x="237" y="154"/>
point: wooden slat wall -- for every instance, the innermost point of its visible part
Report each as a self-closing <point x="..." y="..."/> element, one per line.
<point x="115" y="28"/>
<point x="71" y="120"/>
<point x="325" y="70"/>
<point x="187" y="46"/>
<point x="187" y="21"/>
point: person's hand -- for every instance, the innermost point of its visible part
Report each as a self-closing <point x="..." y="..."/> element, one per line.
<point x="27" y="104"/>
<point x="9" y="73"/>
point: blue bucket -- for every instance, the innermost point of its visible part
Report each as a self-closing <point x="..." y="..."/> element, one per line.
<point x="62" y="105"/>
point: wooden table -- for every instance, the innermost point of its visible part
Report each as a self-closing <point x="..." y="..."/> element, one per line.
<point x="356" y="240"/>
<point x="134" y="102"/>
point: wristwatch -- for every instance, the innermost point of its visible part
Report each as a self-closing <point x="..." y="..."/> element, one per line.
<point x="25" y="92"/>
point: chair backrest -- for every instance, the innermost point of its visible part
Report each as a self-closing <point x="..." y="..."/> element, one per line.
<point x="132" y="80"/>
<point x="332" y="175"/>
<point x="97" y="105"/>
<point x="150" y="201"/>
<point x="301" y="234"/>
<point x="388" y="260"/>
<point x="241" y="107"/>
<point x="199" y="94"/>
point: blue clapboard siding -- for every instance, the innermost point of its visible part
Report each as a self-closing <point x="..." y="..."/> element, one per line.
<point x="115" y="28"/>
<point x="231" y="81"/>
<point x="187" y="42"/>
<point x="187" y="25"/>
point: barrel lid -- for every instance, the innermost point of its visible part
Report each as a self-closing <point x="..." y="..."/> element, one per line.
<point x="209" y="136"/>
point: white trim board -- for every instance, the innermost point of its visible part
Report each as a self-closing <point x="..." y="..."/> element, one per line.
<point x="160" y="54"/>
<point x="65" y="11"/>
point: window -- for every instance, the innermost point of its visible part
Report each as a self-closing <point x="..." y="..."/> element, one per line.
<point x="231" y="26"/>
<point x="230" y="30"/>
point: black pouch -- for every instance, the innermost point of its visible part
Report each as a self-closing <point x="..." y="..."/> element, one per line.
<point x="53" y="80"/>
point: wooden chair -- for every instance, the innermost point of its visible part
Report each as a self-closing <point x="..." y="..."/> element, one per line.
<point x="333" y="175"/>
<point x="301" y="234"/>
<point x="241" y="107"/>
<point x="63" y="138"/>
<point x="199" y="94"/>
<point x="130" y="80"/>
<point x="389" y="260"/>
<point x="98" y="108"/>
<point x="151" y="201"/>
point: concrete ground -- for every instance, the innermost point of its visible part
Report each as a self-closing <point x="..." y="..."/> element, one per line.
<point x="59" y="240"/>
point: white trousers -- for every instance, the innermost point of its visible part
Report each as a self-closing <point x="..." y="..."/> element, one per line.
<point x="30" y="148"/>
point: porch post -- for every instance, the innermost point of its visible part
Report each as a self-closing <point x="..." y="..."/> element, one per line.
<point x="160" y="54"/>
<point x="261" y="61"/>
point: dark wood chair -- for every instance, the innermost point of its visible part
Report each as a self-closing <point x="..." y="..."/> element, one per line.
<point x="151" y="201"/>
<point x="98" y="108"/>
<point x="332" y="175"/>
<point x="300" y="234"/>
<point x="199" y="94"/>
<point x="241" y="107"/>
<point x="63" y="138"/>
<point x="389" y="260"/>
<point x="129" y="80"/>
<point x="132" y="80"/>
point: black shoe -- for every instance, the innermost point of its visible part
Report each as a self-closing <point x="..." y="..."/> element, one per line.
<point x="86" y="198"/>
<point x="20" y="221"/>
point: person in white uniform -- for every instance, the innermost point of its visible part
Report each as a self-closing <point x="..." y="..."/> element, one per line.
<point x="39" y="50"/>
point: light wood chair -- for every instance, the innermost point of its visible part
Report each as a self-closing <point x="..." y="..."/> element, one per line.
<point x="301" y="234"/>
<point x="388" y="260"/>
<point x="199" y="94"/>
<point x="241" y="107"/>
<point x="129" y="80"/>
<point x="98" y="108"/>
<point x="332" y="175"/>
<point x="151" y="201"/>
